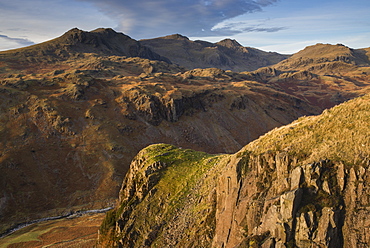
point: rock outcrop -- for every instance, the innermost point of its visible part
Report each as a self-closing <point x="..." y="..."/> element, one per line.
<point x="290" y="195"/>
<point x="279" y="204"/>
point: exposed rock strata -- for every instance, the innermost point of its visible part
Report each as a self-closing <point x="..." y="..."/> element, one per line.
<point x="263" y="200"/>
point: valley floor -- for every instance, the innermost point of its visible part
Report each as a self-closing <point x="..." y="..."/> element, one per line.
<point x="72" y="232"/>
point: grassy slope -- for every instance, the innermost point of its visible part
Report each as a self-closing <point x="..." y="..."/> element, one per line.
<point x="341" y="133"/>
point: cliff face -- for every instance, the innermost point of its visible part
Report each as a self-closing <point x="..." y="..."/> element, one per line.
<point x="282" y="190"/>
<point x="280" y="204"/>
<point x="175" y="188"/>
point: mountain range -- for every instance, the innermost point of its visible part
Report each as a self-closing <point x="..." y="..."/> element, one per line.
<point x="77" y="109"/>
<point x="227" y="54"/>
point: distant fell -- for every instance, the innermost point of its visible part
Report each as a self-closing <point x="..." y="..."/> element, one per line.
<point x="323" y="74"/>
<point x="318" y="56"/>
<point x="176" y="37"/>
<point x="229" y="43"/>
<point x="227" y="54"/>
<point x="101" y="41"/>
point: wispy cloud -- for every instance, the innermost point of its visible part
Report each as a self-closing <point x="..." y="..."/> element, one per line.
<point x="144" y="19"/>
<point x="244" y="27"/>
<point x="18" y="41"/>
<point x="8" y="42"/>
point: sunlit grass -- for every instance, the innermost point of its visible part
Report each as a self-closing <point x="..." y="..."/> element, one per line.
<point x="341" y="133"/>
<point x="29" y="235"/>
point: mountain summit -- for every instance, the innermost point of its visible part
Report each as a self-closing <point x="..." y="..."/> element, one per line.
<point x="321" y="56"/>
<point x="229" y="43"/>
<point x="176" y="37"/>
<point x="105" y="41"/>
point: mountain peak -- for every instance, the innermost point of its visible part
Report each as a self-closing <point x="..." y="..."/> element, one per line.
<point x="104" y="30"/>
<point x="74" y="30"/>
<point x="227" y="54"/>
<point x="230" y="43"/>
<point x="176" y="37"/>
<point x="318" y="56"/>
<point x="327" y="50"/>
<point x="75" y="36"/>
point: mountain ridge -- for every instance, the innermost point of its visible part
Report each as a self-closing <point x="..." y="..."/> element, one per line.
<point x="226" y="54"/>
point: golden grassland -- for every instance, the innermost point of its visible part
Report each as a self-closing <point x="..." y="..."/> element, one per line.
<point x="341" y="133"/>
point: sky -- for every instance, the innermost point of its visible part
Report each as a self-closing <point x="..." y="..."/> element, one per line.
<point x="284" y="26"/>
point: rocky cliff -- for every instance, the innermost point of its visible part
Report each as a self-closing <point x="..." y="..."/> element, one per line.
<point x="301" y="185"/>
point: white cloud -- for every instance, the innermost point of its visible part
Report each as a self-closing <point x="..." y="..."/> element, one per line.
<point x="11" y="42"/>
<point x="144" y="19"/>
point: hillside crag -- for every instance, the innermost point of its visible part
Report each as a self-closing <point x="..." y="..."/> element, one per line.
<point x="286" y="196"/>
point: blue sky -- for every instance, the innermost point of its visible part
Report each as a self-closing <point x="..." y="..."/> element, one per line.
<point x="284" y="26"/>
